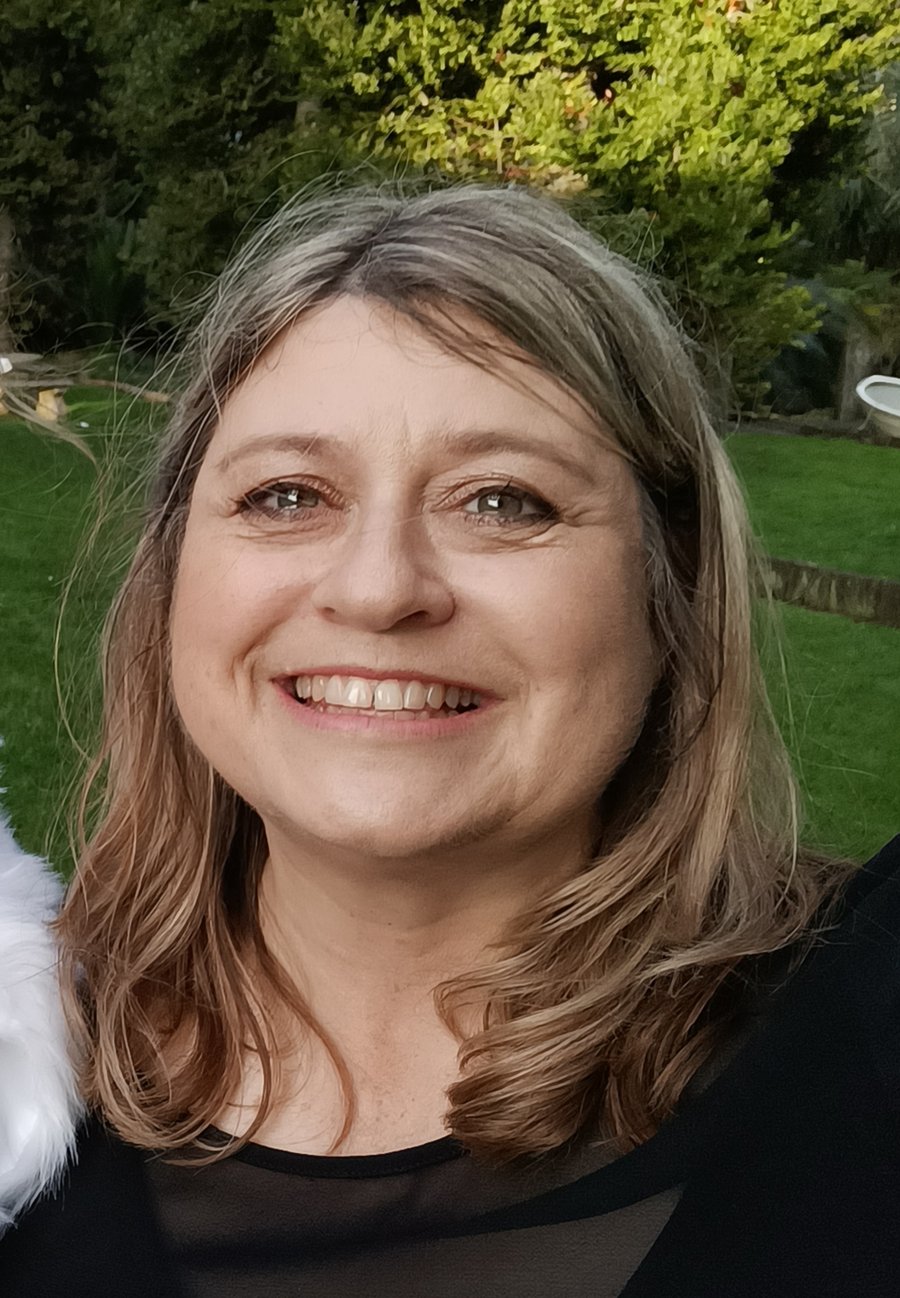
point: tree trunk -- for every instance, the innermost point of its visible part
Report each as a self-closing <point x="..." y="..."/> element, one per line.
<point x="718" y="371"/>
<point x="7" y="236"/>
<point x="861" y="356"/>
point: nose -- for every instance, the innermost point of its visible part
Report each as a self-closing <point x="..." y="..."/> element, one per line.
<point x="384" y="573"/>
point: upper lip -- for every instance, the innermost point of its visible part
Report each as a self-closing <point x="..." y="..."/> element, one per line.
<point x="391" y="674"/>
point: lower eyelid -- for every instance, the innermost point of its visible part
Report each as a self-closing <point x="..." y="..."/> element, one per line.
<point x="526" y="520"/>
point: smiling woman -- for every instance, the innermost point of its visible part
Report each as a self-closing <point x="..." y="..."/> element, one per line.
<point x="443" y="906"/>
<point x="389" y="549"/>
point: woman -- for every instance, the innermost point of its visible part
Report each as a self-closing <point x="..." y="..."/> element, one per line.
<point x="443" y="927"/>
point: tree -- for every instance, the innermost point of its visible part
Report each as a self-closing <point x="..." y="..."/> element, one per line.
<point x="683" y="111"/>
<point x="847" y="253"/>
<point x="7" y="262"/>
<point x="204" y="114"/>
<point x="56" y="166"/>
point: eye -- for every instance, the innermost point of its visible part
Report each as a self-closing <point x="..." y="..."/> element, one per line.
<point x="281" y="499"/>
<point x="508" y="505"/>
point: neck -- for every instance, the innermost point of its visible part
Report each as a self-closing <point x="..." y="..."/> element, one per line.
<point x="386" y="929"/>
<point x="366" y="941"/>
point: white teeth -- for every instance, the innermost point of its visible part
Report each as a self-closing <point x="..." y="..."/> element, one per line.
<point x="388" y="697"/>
<point x="434" y="696"/>
<point x="334" y="690"/>
<point x="414" y="696"/>
<point x="357" y="693"/>
<point x="411" y="697"/>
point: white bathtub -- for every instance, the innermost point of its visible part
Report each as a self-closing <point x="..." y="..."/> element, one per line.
<point x="880" y="394"/>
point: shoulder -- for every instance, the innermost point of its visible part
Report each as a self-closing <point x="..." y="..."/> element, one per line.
<point x="868" y="928"/>
<point x="833" y="1027"/>
<point x="38" y="1098"/>
<point x="854" y="961"/>
<point x="95" y="1232"/>
<point x="864" y="948"/>
<point x="876" y="885"/>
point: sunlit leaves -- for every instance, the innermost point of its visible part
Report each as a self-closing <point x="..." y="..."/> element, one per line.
<point x="683" y="110"/>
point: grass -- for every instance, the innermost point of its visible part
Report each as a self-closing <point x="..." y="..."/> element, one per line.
<point x="834" y="503"/>
<point x="829" y="502"/>
<point x="838" y="705"/>
<point x="46" y="494"/>
<point x="42" y="494"/>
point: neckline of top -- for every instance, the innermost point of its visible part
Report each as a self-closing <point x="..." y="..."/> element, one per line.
<point x="392" y="1163"/>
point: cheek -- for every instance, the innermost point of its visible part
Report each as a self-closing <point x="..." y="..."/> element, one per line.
<point x="219" y="609"/>
<point x="586" y="630"/>
<point x="222" y="594"/>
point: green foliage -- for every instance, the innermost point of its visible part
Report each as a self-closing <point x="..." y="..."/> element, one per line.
<point x="852" y="212"/>
<point x="871" y="297"/>
<point x="683" y="111"/>
<point x="199" y="107"/>
<point x="57" y="170"/>
<point x="142" y="137"/>
<point x="109" y="296"/>
<point x="846" y="248"/>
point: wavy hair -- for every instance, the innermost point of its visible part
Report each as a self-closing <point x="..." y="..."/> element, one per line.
<point x="606" y="997"/>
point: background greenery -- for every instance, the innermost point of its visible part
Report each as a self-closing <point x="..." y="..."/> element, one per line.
<point x="747" y="150"/>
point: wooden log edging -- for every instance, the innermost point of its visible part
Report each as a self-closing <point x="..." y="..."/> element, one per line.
<point x="826" y="590"/>
<point x="865" y="431"/>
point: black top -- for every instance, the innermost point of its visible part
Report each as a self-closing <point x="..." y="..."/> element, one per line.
<point x="779" y="1179"/>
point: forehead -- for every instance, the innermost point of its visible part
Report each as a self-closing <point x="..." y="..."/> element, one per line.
<point x="360" y="371"/>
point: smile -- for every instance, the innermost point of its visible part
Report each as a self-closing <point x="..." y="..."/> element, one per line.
<point x="411" y="700"/>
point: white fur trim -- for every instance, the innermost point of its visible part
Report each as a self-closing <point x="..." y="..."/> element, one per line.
<point x="39" y="1105"/>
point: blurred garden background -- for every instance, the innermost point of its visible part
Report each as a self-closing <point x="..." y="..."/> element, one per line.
<point x="747" y="152"/>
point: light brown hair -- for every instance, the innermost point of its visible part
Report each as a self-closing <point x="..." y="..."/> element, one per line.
<point x="606" y="996"/>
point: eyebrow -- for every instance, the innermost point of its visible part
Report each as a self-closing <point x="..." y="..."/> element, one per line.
<point x="465" y="442"/>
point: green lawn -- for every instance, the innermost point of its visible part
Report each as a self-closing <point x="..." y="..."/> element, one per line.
<point x="840" y="713"/>
<point x="833" y="503"/>
<point x="46" y="490"/>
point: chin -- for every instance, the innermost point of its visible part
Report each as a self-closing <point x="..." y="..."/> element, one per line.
<point x="381" y="831"/>
<point x="388" y="842"/>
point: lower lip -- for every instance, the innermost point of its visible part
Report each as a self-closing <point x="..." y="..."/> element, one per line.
<point x="357" y="723"/>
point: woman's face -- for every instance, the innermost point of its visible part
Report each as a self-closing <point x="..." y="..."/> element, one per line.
<point x="399" y="523"/>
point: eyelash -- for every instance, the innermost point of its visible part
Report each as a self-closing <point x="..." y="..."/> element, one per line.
<point x="251" y="504"/>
